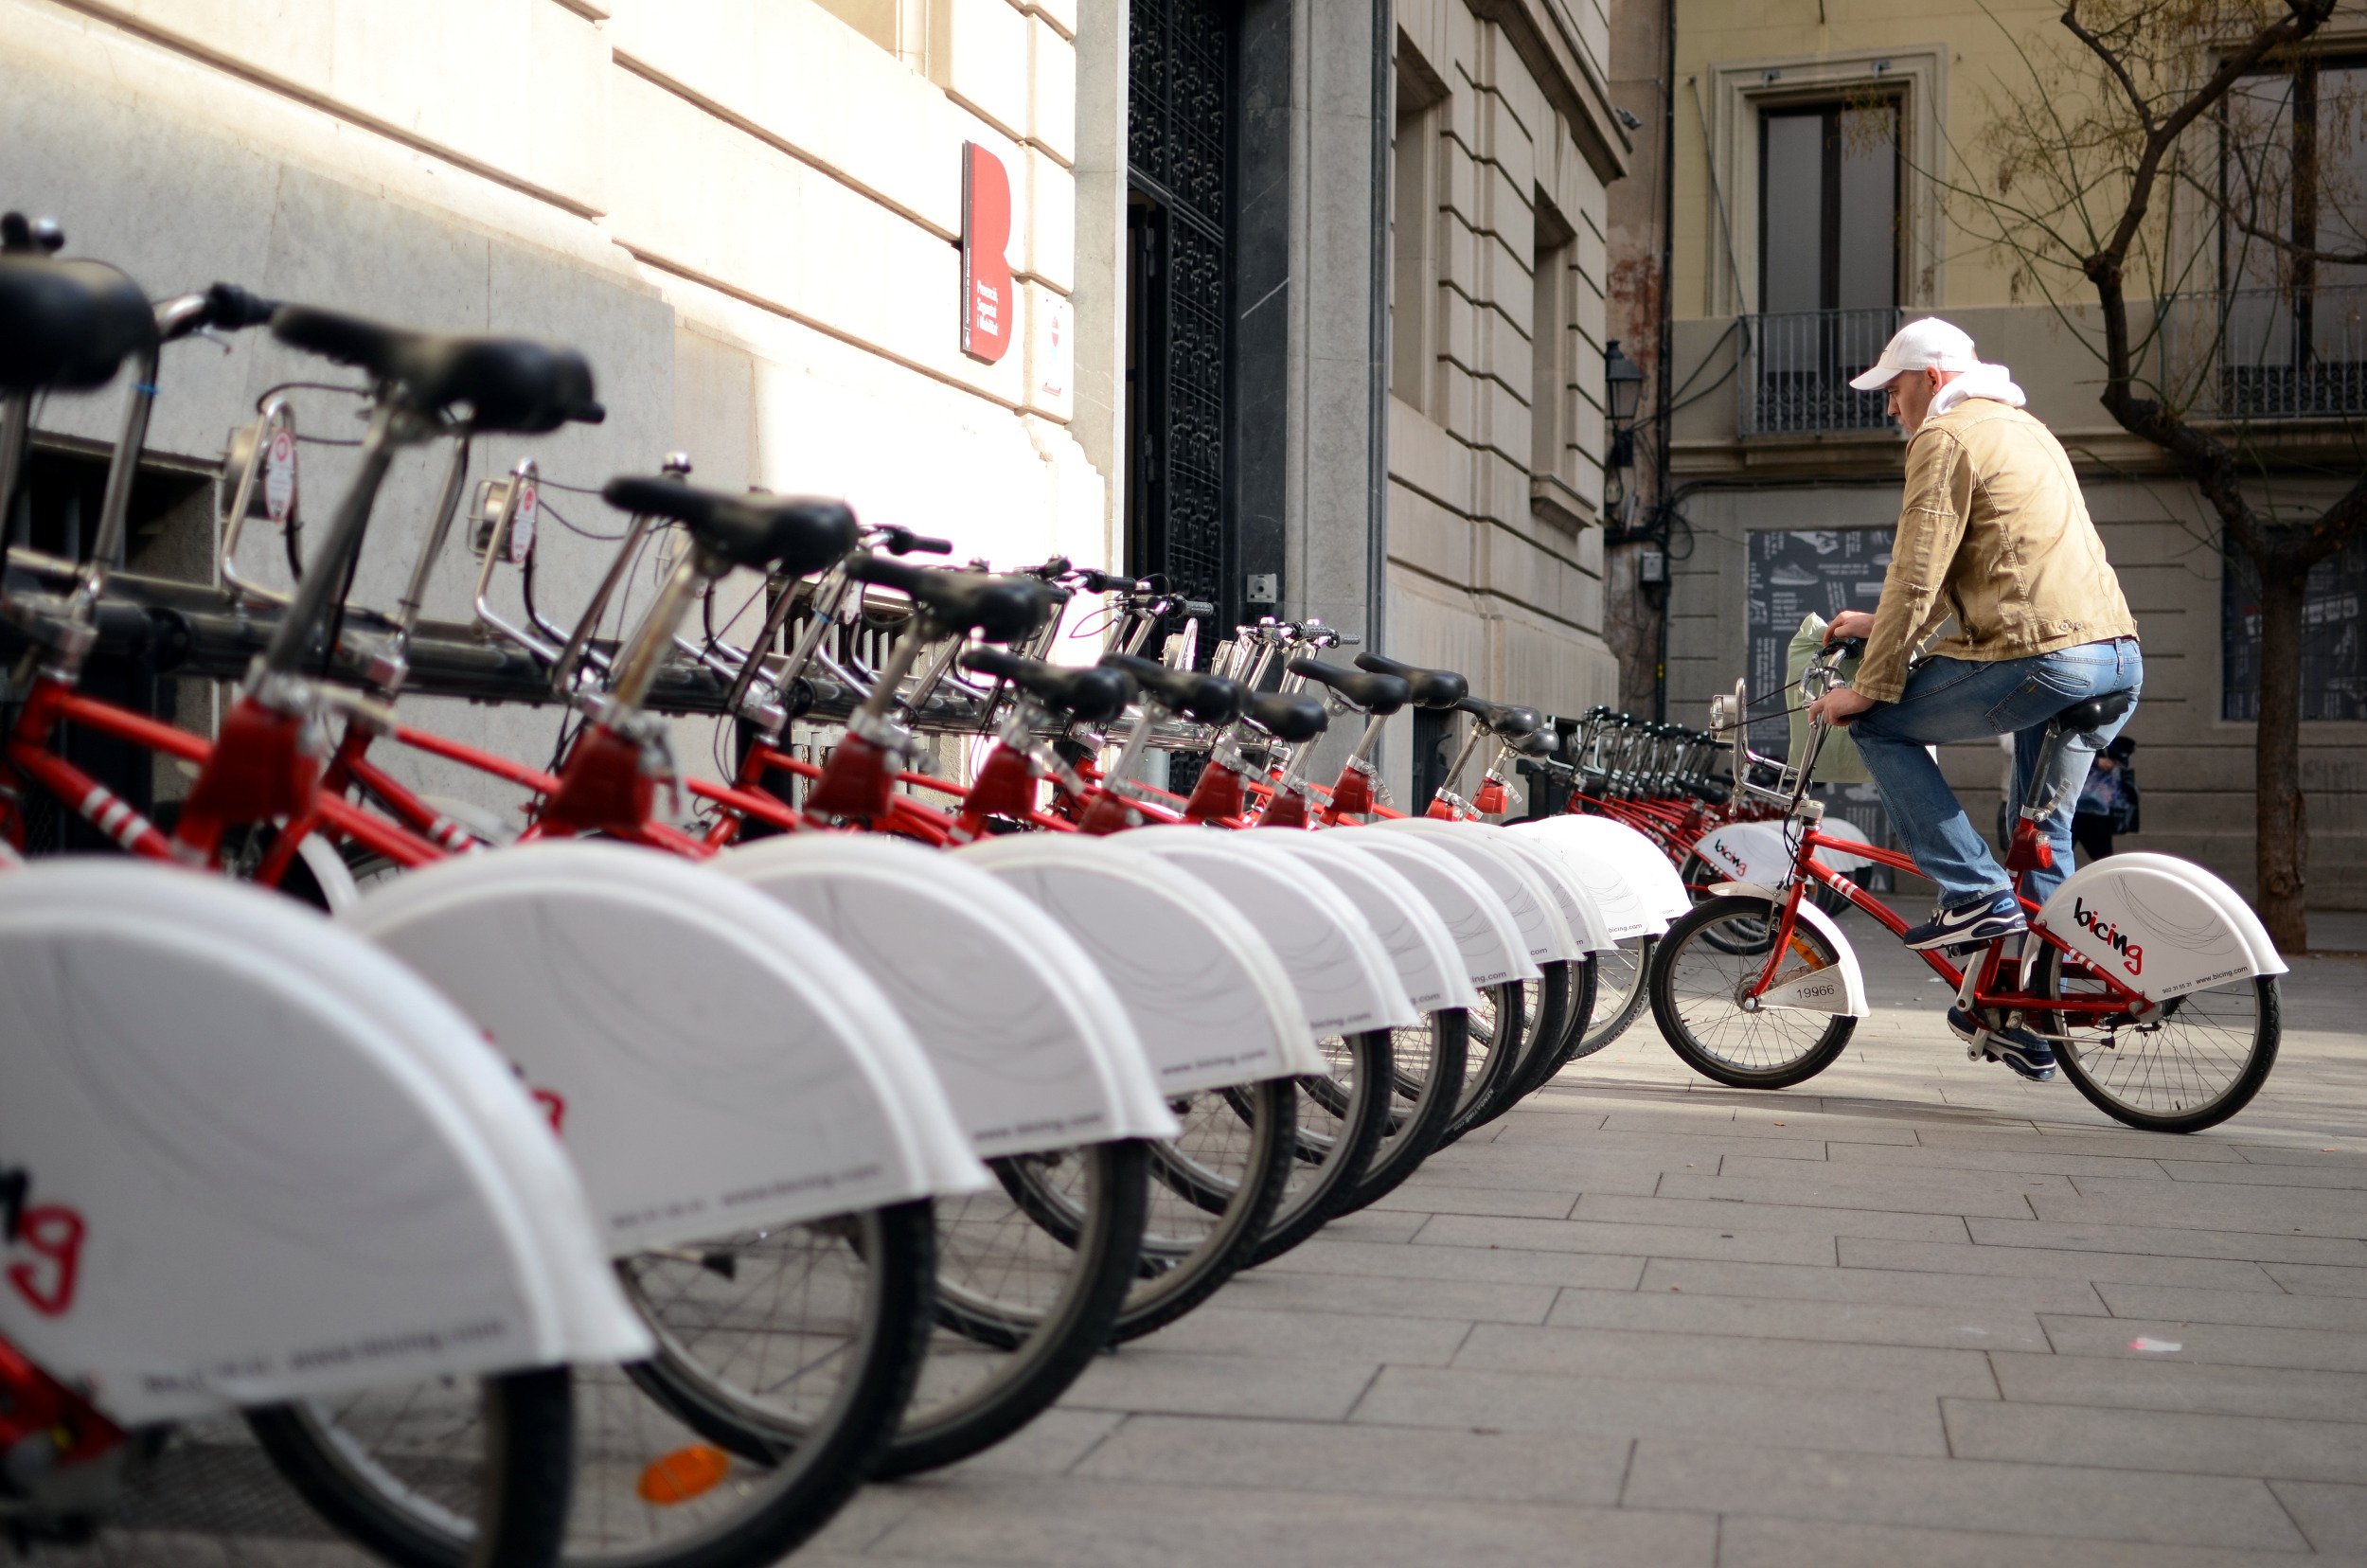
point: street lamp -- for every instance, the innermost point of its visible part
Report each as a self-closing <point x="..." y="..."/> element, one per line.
<point x="1623" y="388"/>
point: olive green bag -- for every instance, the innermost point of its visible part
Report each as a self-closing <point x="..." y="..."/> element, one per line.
<point x="1838" y="763"/>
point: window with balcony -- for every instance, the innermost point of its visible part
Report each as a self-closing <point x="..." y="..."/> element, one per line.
<point x="1413" y="191"/>
<point x="1828" y="264"/>
<point x="2288" y="328"/>
<point x="1549" y="342"/>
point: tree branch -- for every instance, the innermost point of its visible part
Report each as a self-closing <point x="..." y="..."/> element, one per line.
<point x="2112" y="63"/>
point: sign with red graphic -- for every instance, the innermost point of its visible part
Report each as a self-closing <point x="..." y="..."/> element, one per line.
<point x="987" y="302"/>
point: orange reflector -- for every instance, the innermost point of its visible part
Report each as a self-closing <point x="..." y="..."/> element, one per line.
<point x="685" y="1473"/>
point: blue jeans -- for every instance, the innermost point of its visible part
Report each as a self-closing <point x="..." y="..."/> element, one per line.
<point x="1948" y="700"/>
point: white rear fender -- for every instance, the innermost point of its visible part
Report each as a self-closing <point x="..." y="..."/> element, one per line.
<point x="1842" y="859"/>
<point x="1211" y="1002"/>
<point x="1554" y="863"/>
<point x="2160" y="926"/>
<point x="715" y="1064"/>
<point x="1035" y="1050"/>
<point x="1486" y="939"/>
<point x="1509" y="875"/>
<point x="265" y="1161"/>
<point x="1345" y="980"/>
<point x="1813" y="992"/>
<point x="1638" y="889"/>
<point x="1430" y="965"/>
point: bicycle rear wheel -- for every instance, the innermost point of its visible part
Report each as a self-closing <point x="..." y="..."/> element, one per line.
<point x="1492" y="1049"/>
<point x="2179" y="1066"/>
<point x="1584" y="975"/>
<point x="1021" y="1311"/>
<point x="403" y="1502"/>
<point x="1213" y="1190"/>
<point x="1698" y="981"/>
<point x="785" y="1359"/>
<point x="1427" y="1080"/>
<point x="1619" y="992"/>
<point x="1341" y="1121"/>
<point x="1545" y="1018"/>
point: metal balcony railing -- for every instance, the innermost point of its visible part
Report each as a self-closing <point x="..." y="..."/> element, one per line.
<point x="2266" y="353"/>
<point x="1796" y="366"/>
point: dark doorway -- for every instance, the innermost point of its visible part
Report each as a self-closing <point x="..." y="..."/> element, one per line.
<point x="1180" y="136"/>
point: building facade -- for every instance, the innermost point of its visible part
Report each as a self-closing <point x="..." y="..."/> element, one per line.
<point x="1818" y="162"/>
<point x="752" y="214"/>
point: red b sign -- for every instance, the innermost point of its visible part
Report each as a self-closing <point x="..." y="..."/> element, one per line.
<point x="988" y="304"/>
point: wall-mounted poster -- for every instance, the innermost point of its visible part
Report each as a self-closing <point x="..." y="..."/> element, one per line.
<point x="1791" y="573"/>
<point x="2333" y="666"/>
<point x="1826" y="570"/>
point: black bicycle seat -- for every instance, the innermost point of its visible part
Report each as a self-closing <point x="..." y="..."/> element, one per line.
<point x="1208" y="698"/>
<point x="998" y="609"/>
<point x="512" y="384"/>
<point x="1541" y="742"/>
<point x="2093" y="715"/>
<point x="799" y="534"/>
<point x="1505" y="723"/>
<point x="1093" y="695"/>
<point x="67" y="324"/>
<point x="1286" y="716"/>
<point x="1433" y="688"/>
<point x="1378" y="695"/>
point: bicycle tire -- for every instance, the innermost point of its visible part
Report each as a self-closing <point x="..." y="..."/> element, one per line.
<point x="802" y="1466"/>
<point x="1584" y="975"/>
<point x="1335" y="1143"/>
<point x="1427" y="1076"/>
<point x="1492" y="1036"/>
<point x="1545" y="1018"/>
<point x="1687" y="986"/>
<point x="1190" y="1249"/>
<point x="2100" y="1081"/>
<point x="1047" y="1346"/>
<point x="523" y="1490"/>
<point x="1620" y="993"/>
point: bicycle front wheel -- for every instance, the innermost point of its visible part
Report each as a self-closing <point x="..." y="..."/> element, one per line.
<point x="2178" y="1066"/>
<point x="1700" y="989"/>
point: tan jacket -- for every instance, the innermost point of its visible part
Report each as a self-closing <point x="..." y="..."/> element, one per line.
<point x="1993" y="531"/>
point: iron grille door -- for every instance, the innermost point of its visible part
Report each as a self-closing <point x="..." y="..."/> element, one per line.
<point x="1178" y="141"/>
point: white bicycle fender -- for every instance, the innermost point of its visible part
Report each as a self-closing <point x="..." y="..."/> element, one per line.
<point x="1347" y="981"/>
<point x="1840" y="860"/>
<point x="1509" y="873"/>
<point x="2160" y="926"/>
<point x="1554" y="863"/>
<point x="717" y="1064"/>
<point x="1813" y="992"/>
<point x="1430" y="965"/>
<point x="265" y="1161"/>
<point x="1747" y="851"/>
<point x="1211" y="1001"/>
<point x="1485" y="936"/>
<point x="1035" y="1050"/>
<point x="1651" y="882"/>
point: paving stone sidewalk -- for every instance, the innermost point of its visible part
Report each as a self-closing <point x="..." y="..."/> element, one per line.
<point x="1916" y="1311"/>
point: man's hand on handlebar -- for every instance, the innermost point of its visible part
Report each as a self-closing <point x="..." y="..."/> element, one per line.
<point x="1838" y="705"/>
<point x="1850" y="623"/>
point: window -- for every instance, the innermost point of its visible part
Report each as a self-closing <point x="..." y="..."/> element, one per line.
<point x="2334" y="665"/>
<point x="1549" y="342"/>
<point x="1828" y="265"/>
<point x="1413" y="228"/>
<point x="1828" y="207"/>
<point x="2293" y="184"/>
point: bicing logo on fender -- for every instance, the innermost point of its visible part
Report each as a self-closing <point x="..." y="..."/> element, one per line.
<point x="2132" y="957"/>
<point x="41" y="1244"/>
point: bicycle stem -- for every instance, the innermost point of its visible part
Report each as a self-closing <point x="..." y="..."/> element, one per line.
<point x="309" y="610"/>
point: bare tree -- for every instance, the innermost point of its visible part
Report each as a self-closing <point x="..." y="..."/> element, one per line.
<point x="2187" y="166"/>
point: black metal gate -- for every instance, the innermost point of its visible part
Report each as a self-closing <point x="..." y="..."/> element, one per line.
<point x="1179" y="213"/>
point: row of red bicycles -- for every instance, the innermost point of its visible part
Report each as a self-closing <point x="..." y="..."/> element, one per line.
<point x="589" y="1158"/>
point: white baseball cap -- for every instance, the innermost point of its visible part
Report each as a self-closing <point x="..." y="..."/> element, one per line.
<point x="1927" y="345"/>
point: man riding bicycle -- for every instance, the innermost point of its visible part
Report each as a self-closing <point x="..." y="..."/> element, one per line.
<point x="1994" y="532"/>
